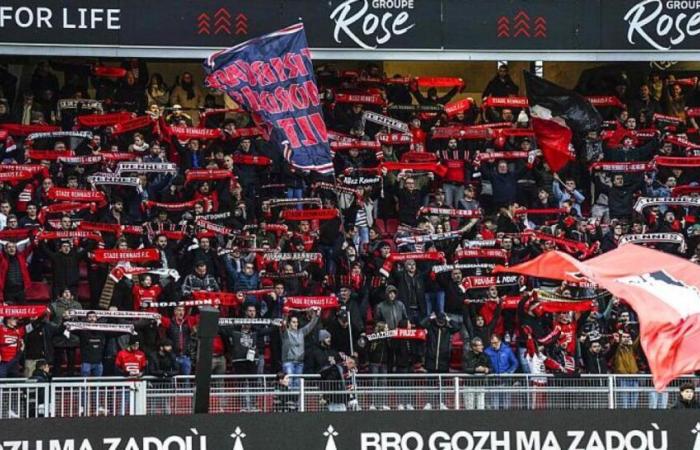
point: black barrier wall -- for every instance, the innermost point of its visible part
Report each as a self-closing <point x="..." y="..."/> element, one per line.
<point x="634" y="25"/>
<point x="495" y="430"/>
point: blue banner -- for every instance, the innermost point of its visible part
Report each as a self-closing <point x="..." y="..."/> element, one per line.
<point x="272" y="76"/>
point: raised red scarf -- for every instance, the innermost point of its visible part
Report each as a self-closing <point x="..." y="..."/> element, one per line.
<point x="668" y="119"/>
<point x="132" y="124"/>
<point x="605" y="101"/>
<point x="251" y="160"/>
<point x="247" y="132"/>
<point x="109" y="72"/>
<point x="393" y="258"/>
<point x="686" y="189"/>
<point x="16" y="233"/>
<point x="216" y="228"/>
<point x="311" y="301"/>
<point x="395" y="138"/>
<point x="309" y="214"/>
<point x="81" y="160"/>
<point x="567" y="245"/>
<point x="474" y="253"/>
<point x="488" y="281"/>
<point x="207" y="175"/>
<point x="506" y="102"/>
<point x="677" y="161"/>
<point x="15" y="176"/>
<point x="371" y="99"/>
<point x="48" y="155"/>
<point x="103" y="120"/>
<point x="416" y="334"/>
<point x="109" y="156"/>
<point x="627" y="167"/>
<point x="183" y="133"/>
<point x="76" y="195"/>
<point x="74" y="235"/>
<point x="34" y="169"/>
<point x="63" y="208"/>
<point x="439" y="82"/>
<point x="493" y="156"/>
<point x="100" y="227"/>
<point x="540" y="211"/>
<point x="454" y="108"/>
<point x="362" y="145"/>
<point x="462" y="132"/>
<point x="436" y="168"/>
<point x="179" y="206"/>
<point x="17" y="129"/>
<point x="219" y="298"/>
<point x="23" y="311"/>
<point x="136" y="256"/>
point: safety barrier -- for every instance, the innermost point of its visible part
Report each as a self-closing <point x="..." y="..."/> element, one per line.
<point x="235" y="393"/>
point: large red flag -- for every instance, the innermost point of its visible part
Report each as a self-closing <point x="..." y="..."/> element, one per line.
<point x="554" y="140"/>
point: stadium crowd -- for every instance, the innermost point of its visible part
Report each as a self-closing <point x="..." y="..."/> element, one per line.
<point x="122" y="214"/>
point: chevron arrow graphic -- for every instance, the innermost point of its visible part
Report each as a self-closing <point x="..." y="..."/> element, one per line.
<point x="222" y="12"/>
<point x="203" y="24"/>
<point x="502" y="27"/>
<point x="522" y="15"/>
<point x="241" y="24"/>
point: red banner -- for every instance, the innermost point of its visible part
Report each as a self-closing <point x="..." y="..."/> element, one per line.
<point x="17" y="129"/>
<point x="506" y="102"/>
<point x="454" y="108"/>
<point x="132" y="124"/>
<point x="182" y="133"/>
<point x="307" y="302"/>
<point x="370" y="99"/>
<point x="22" y="311"/>
<point x="103" y="120"/>
<point x="76" y="195"/>
<point x="309" y="214"/>
<point x="137" y="256"/>
<point x="207" y="175"/>
<point x="473" y="253"/>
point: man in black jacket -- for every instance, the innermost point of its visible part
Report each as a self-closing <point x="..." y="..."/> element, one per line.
<point x="411" y="290"/>
<point x="409" y="200"/>
<point x="438" y="345"/>
<point x="475" y="362"/>
<point x="687" y="398"/>
<point x="92" y="346"/>
<point x="163" y="362"/>
<point x="501" y="85"/>
<point x="64" y="264"/>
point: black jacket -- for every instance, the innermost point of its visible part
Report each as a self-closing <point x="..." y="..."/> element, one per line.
<point x="471" y="360"/>
<point x="411" y="290"/>
<point x="92" y="345"/>
<point x="319" y="358"/>
<point x="438" y="345"/>
<point x="162" y="364"/>
<point x="66" y="272"/>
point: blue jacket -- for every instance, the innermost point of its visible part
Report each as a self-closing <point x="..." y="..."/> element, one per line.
<point x="502" y="360"/>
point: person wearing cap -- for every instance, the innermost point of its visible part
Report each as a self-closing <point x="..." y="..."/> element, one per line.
<point x="163" y="363"/>
<point x="11" y="346"/>
<point x="391" y="310"/>
<point x="131" y="361"/>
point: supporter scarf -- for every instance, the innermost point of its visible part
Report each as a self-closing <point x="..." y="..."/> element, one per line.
<point x="339" y="137"/>
<point x="183" y="303"/>
<point x="685" y="81"/>
<point x="22" y="311"/>
<point x="454" y="108"/>
<point x="421" y="239"/>
<point x="135" y="256"/>
<point x="181" y="206"/>
<point x="134" y="315"/>
<point x="681" y="142"/>
<point x="63" y="208"/>
<point x="34" y="169"/>
<point x="60" y="134"/>
<point x="480" y="244"/>
<point x="462" y="132"/>
<point x="307" y="302"/>
<point x="484" y="282"/>
<point x="48" y="155"/>
<point x="684" y="190"/>
<point x="80" y="160"/>
<point x="568" y="245"/>
<point x="74" y="234"/>
<point x="693" y="112"/>
<point x="207" y="175"/>
<point x="116" y="157"/>
<point x="394" y="138"/>
<point x="450" y="267"/>
<point x="493" y="156"/>
<point x="667" y="119"/>
<point x="216" y="216"/>
<point x="628" y="167"/>
<point x="602" y="101"/>
<point x="338" y="189"/>
<point x="15" y="176"/>
<point x="120" y="272"/>
<point x="361" y="181"/>
<point x="141" y="167"/>
<point x="362" y="145"/>
<point x="514" y="132"/>
<point x="16" y="233"/>
<point x="234" y="322"/>
<point x="219" y="298"/>
<point x="284" y="202"/>
<point x="654" y="238"/>
<point x="251" y="160"/>
<point x="540" y="211"/>
<point x="410" y="157"/>
<point x="132" y="124"/>
<point x="277" y="228"/>
<point x="436" y="168"/>
<point x="83" y="103"/>
<point x="210" y="226"/>
<point x="384" y="121"/>
<point x="96" y="326"/>
<point x="674" y="161"/>
<point x="399" y="333"/>
<point x="16" y="129"/>
<point x="184" y="133"/>
<point x="505" y="102"/>
<point x="507" y="301"/>
<point x="371" y="99"/>
<point x="100" y="227"/>
<point x="309" y="214"/>
<point x="646" y="202"/>
<point x="76" y="195"/>
<point x="103" y="120"/>
<point x="417" y="108"/>
<point x="474" y="253"/>
<point x="285" y="276"/>
<point x="296" y="256"/>
<point x="441" y="82"/>
<point x="393" y="258"/>
<point x="436" y="211"/>
<point x="246" y="132"/>
<point x="107" y="179"/>
<point x="552" y="303"/>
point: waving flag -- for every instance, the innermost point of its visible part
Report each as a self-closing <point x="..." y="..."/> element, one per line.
<point x="558" y="114"/>
<point x="664" y="291"/>
<point x="272" y="76"/>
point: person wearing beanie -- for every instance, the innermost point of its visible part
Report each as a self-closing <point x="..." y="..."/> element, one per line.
<point x="163" y="363"/>
<point x="131" y="362"/>
<point x="323" y="355"/>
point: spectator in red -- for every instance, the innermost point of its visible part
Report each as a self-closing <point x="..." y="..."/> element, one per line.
<point x="180" y="330"/>
<point x="14" y="273"/>
<point x="131" y="362"/>
<point x="11" y="346"/>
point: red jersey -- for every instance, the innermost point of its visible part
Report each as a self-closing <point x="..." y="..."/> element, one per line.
<point x="9" y="342"/>
<point x="131" y="362"/>
<point x="142" y="294"/>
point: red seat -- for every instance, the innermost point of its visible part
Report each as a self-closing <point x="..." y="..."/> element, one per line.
<point x="38" y="291"/>
<point x="83" y="292"/>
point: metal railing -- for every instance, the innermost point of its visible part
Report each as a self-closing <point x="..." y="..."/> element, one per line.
<point x="235" y="393"/>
